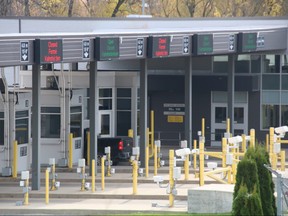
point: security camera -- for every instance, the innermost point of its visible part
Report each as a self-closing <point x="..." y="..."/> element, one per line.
<point x="182" y="152"/>
<point x="281" y="130"/>
<point x="235" y="140"/>
<point x="158" y="179"/>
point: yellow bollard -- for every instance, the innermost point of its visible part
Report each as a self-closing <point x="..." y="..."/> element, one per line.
<point x="282" y="160"/>
<point x="147" y="161"/>
<point x="195" y="155"/>
<point x="88" y="148"/>
<point x="155" y="160"/>
<point x="186" y="168"/>
<point x="267" y="142"/>
<point x="47" y="186"/>
<point x="203" y="127"/>
<point x="26" y="195"/>
<point x="224" y="151"/>
<point x="171" y="179"/>
<point x="83" y="179"/>
<point x="243" y="143"/>
<point x="229" y="176"/>
<point x="233" y="172"/>
<point x="228" y="125"/>
<point x="252" y="138"/>
<point x="70" y="162"/>
<point x="103" y="173"/>
<point x="15" y="158"/>
<point x="201" y="164"/>
<point x="135" y="174"/>
<point x="93" y="175"/>
<point x="159" y="160"/>
<point x="109" y="163"/>
<point x="271" y="152"/>
<point x="130" y="133"/>
<point x="53" y="178"/>
<point x="152" y="127"/>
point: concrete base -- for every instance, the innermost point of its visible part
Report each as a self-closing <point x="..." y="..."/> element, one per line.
<point x="213" y="198"/>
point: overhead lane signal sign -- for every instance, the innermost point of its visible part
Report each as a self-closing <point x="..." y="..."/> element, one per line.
<point x="24" y="48"/>
<point x="186" y="45"/>
<point x="140" y="47"/>
<point x="158" y="46"/>
<point x="86" y="49"/>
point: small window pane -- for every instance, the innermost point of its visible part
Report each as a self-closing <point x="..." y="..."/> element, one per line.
<point x="242" y="65"/>
<point x="284" y="64"/>
<point x="50" y="126"/>
<point x="219" y="134"/>
<point x="123" y="123"/>
<point x="50" y="109"/>
<point x="239" y="115"/>
<point x="220" y="64"/>
<point x="105" y="104"/>
<point x="2" y="131"/>
<point x="76" y="124"/>
<point x="21" y="114"/>
<point x="105" y="92"/>
<point x="255" y="64"/>
<point x="22" y="131"/>
<point x="284" y="82"/>
<point x="123" y="92"/>
<point x="272" y="64"/>
<point x="284" y="115"/>
<point x="220" y="114"/>
<point x="270" y="116"/>
<point x="2" y="115"/>
<point x="123" y="104"/>
<point x="271" y="82"/>
<point x="75" y="109"/>
<point x="105" y="124"/>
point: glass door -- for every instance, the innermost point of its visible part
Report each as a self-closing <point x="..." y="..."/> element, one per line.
<point x="105" y="124"/>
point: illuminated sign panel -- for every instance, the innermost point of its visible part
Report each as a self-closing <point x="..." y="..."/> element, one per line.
<point x="107" y="48"/>
<point x="202" y="44"/>
<point x="247" y="42"/>
<point x="48" y="51"/>
<point x="158" y="46"/>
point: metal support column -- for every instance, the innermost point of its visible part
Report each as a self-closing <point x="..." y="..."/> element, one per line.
<point x="135" y="109"/>
<point x="231" y="90"/>
<point x="188" y="100"/>
<point x="143" y="109"/>
<point x="93" y="114"/>
<point x="36" y="126"/>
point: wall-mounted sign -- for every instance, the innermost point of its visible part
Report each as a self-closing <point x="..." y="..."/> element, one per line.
<point x="24" y="49"/>
<point x="174" y="109"/>
<point x="203" y="44"/>
<point x="48" y="51"/>
<point x="140" y="47"/>
<point x="186" y="45"/>
<point x="231" y="42"/>
<point x="106" y="48"/>
<point x="247" y="42"/>
<point x="158" y="46"/>
<point x="85" y="49"/>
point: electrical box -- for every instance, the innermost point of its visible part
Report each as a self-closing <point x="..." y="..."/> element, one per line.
<point x="229" y="159"/>
<point x="227" y="135"/>
<point x="183" y="143"/>
<point x="107" y="150"/>
<point x="81" y="162"/>
<point x="277" y="148"/>
<point x="24" y="175"/>
<point x="22" y="183"/>
<point x="157" y="143"/>
<point x="177" y="173"/>
<point x="135" y="151"/>
<point x="51" y="161"/>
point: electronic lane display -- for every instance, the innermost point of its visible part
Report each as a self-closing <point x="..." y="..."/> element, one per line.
<point x="106" y="48"/>
<point x="48" y="51"/>
<point x="158" y="46"/>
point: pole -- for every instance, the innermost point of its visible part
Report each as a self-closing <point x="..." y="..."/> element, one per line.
<point x="195" y="155"/>
<point x="47" y="186"/>
<point x="186" y="168"/>
<point x="135" y="174"/>
<point x="201" y="164"/>
<point x="155" y="160"/>
<point x="70" y="162"/>
<point x="15" y="158"/>
<point x="103" y="173"/>
<point x="171" y="179"/>
<point x="147" y="161"/>
<point x="88" y="148"/>
<point x="93" y="175"/>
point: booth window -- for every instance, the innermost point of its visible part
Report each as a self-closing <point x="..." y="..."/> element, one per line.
<point x="2" y="128"/>
<point x="123" y="111"/>
<point x="270" y="116"/>
<point x="76" y="121"/>
<point x="22" y="126"/>
<point x="50" y="122"/>
<point x="105" y="99"/>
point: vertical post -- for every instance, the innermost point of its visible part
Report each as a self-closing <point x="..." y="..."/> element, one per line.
<point x="47" y="186"/>
<point x="186" y="168"/>
<point x="243" y="143"/>
<point x="93" y="175"/>
<point x="103" y="173"/>
<point x="93" y="112"/>
<point x="188" y="100"/>
<point x="70" y="146"/>
<point x="201" y="163"/>
<point x="267" y="142"/>
<point x="53" y="177"/>
<point x="130" y="133"/>
<point x="88" y="148"/>
<point x="228" y="125"/>
<point x="271" y="152"/>
<point x="203" y="127"/>
<point x="155" y="160"/>
<point x="231" y="90"/>
<point x="282" y="160"/>
<point x="171" y="179"/>
<point x="252" y="138"/>
<point x="224" y="151"/>
<point x="36" y="126"/>
<point x="26" y="195"/>
<point x="135" y="175"/>
<point x="83" y="178"/>
<point x="143" y="108"/>
<point x="152" y="127"/>
<point x="195" y="155"/>
<point x="147" y="161"/>
<point x="109" y="163"/>
<point x="15" y="158"/>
